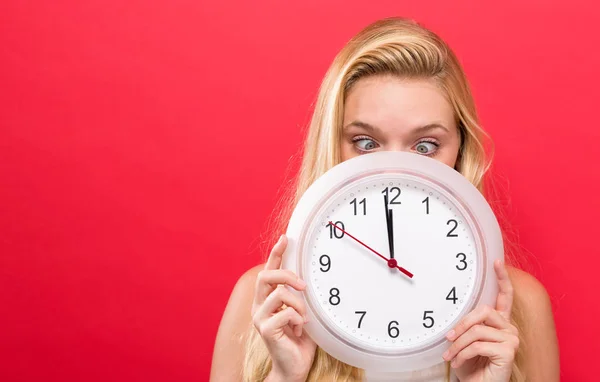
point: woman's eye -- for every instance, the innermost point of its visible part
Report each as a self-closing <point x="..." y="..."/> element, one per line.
<point x="426" y="148"/>
<point x="365" y="144"/>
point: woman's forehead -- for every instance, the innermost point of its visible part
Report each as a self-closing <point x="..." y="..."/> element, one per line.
<point x="387" y="101"/>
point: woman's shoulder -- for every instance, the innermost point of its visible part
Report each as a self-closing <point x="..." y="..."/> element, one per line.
<point x="244" y="287"/>
<point x="528" y="289"/>
<point x="233" y="328"/>
<point x="249" y="277"/>
<point x="243" y="291"/>
<point x="532" y="308"/>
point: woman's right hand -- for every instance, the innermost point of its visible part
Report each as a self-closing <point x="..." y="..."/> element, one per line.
<point x="281" y="328"/>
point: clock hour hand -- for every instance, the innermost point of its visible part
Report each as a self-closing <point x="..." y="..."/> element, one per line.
<point x="389" y="221"/>
<point x="391" y="262"/>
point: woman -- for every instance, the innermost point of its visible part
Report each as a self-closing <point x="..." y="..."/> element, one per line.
<point x="394" y="86"/>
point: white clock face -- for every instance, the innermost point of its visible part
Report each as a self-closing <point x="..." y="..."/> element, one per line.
<point x="358" y="295"/>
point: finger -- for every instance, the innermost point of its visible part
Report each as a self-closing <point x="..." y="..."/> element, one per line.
<point x="493" y="350"/>
<point x="276" y="299"/>
<point x="475" y="333"/>
<point x="274" y="325"/>
<point x="504" y="300"/>
<point x="267" y="281"/>
<point x="274" y="260"/>
<point x="483" y="314"/>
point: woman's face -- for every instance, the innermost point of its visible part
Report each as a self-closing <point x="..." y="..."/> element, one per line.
<point x="389" y="113"/>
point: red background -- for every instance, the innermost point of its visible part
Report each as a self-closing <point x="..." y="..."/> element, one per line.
<point x="143" y="145"/>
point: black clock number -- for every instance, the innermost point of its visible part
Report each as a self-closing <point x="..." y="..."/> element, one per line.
<point x="387" y="193"/>
<point x="334" y="231"/>
<point x="426" y="317"/>
<point x="450" y="234"/>
<point x="426" y="201"/>
<point x="393" y="330"/>
<point x="334" y="296"/>
<point x="452" y="295"/>
<point x="362" y="315"/>
<point x="355" y="204"/>
<point x="462" y="261"/>
<point x="325" y="261"/>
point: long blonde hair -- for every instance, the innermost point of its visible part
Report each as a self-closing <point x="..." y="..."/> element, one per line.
<point x="398" y="47"/>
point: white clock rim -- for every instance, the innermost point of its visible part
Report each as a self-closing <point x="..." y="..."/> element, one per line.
<point x="446" y="178"/>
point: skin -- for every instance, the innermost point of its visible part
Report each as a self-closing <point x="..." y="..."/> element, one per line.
<point x="387" y="113"/>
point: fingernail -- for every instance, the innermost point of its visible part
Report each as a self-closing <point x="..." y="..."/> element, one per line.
<point x="305" y="319"/>
<point x="302" y="283"/>
<point x="450" y="334"/>
<point x="446" y="354"/>
<point x="453" y="363"/>
<point x="280" y="239"/>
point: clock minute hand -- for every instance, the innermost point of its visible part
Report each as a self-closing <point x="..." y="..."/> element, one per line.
<point x="389" y="221"/>
<point x="391" y="262"/>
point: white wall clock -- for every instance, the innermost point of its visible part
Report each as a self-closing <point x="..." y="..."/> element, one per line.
<point x="395" y="248"/>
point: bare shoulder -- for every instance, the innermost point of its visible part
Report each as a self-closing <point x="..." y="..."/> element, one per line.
<point x="533" y="306"/>
<point x="527" y="287"/>
<point x="228" y="353"/>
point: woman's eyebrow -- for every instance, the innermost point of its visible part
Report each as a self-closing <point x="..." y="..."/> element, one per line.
<point x="430" y="126"/>
<point x="366" y="126"/>
<point x="418" y="130"/>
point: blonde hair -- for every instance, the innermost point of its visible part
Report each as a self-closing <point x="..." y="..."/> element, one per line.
<point x="398" y="47"/>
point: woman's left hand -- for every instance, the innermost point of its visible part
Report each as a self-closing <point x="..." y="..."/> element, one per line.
<point x="484" y="343"/>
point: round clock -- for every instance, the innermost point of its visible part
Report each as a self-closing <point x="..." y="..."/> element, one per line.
<point x="395" y="249"/>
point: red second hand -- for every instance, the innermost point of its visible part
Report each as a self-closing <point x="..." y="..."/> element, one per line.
<point x="407" y="273"/>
